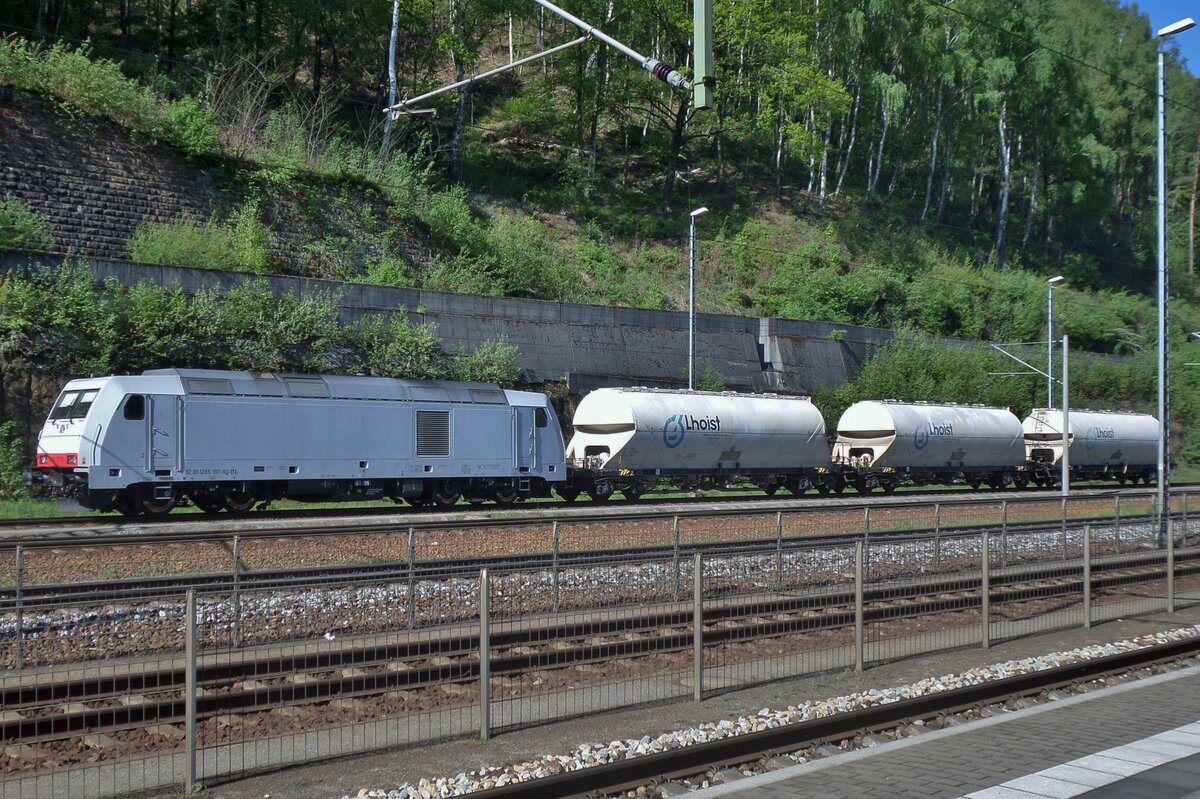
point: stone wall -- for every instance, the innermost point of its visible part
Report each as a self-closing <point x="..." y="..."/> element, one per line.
<point x="95" y="184"/>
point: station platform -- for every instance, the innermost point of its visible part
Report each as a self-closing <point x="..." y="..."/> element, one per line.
<point x="1137" y="740"/>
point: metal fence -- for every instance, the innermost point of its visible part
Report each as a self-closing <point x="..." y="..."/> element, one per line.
<point x="418" y="635"/>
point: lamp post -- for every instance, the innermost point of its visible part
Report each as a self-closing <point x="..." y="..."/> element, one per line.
<point x="699" y="212"/>
<point x="1050" y="284"/>
<point x="1163" y="429"/>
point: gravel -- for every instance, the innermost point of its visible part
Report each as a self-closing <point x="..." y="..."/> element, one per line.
<point x="597" y="753"/>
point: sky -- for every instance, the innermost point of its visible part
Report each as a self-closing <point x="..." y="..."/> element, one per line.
<point x="1163" y="13"/>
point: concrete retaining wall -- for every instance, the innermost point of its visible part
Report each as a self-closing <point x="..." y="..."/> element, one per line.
<point x="587" y="346"/>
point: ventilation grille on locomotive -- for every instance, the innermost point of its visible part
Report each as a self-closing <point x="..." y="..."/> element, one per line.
<point x="433" y="434"/>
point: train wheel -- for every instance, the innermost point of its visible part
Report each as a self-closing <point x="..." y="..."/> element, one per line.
<point x="238" y="501"/>
<point x="1020" y="482"/>
<point x="823" y="489"/>
<point x="889" y="486"/>
<point x="446" y="497"/>
<point x="505" y="496"/>
<point x="634" y="492"/>
<point x="974" y="483"/>
<point x="208" y="503"/>
<point x="128" y="506"/>
<point x="159" y="507"/>
<point x="568" y="493"/>
<point x="771" y="490"/>
<point x="417" y="502"/>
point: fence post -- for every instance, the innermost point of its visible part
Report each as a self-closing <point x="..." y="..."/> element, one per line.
<point x="1004" y="533"/>
<point x="1117" y="541"/>
<point x="237" y="590"/>
<point x="986" y="590"/>
<point x="858" y="605"/>
<point x="1087" y="576"/>
<point x="1170" y="566"/>
<point x="557" y="602"/>
<point x="698" y="627"/>
<point x="412" y="577"/>
<point x="189" y="692"/>
<point x="675" y="557"/>
<point x="485" y="654"/>
<point x="1063" y="502"/>
<point x="20" y="606"/>
<point x="937" y="537"/>
<point x="779" y="550"/>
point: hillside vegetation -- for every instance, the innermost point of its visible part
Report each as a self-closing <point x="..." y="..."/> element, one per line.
<point x="898" y="163"/>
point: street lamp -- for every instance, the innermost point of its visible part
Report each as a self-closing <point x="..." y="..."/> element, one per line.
<point x="1050" y="284"/>
<point x="699" y="212"/>
<point x="1163" y="429"/>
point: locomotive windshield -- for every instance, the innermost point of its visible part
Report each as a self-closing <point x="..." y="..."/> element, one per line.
<point x="74" y="404"/>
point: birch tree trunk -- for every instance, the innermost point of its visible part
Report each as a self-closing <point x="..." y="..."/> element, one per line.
<point x="850" y="145"/>
<point x="1006" y="178"/>
<point x="933" y="152"/>
<point x="1033" y="190"/>
<point x="387" y="120"/>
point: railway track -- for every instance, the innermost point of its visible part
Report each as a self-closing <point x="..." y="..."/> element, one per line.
<point x="105" y="527"/>
<point x="45" y="707"/>
<point x="677" y="765"/>
<point x="37" y="596"/>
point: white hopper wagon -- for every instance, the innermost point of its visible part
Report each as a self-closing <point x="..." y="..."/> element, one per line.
<point x="1103" y="444"/>
<point x="881" y="441"/>
<point x="627" y="439"/>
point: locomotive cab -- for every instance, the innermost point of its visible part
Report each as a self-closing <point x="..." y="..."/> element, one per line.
<point x="61" y="458"/>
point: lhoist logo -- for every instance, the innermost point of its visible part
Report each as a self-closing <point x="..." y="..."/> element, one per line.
<point x="673" y="431"/>
<point x="678" y="425"/>
<point x="923" y="432"/>
<point x="1095" y="435"/>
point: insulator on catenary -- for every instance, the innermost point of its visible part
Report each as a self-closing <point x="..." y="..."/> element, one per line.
<point x="666" y="73"/>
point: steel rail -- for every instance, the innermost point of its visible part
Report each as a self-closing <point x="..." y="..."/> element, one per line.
<point x="34" y="596"/>
<point x="538" y="515"/>
<point x="890" y="605"/>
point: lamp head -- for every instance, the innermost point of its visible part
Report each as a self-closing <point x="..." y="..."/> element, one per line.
<point x="1176" y="27"/>
<point x="1054" y="281"/>
<point x="699" y="212"/>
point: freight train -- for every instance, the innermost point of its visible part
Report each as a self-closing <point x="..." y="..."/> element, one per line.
<point x="233" y="440"/>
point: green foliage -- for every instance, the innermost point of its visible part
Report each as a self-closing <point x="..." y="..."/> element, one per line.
<point x="85" y="86"/>
<point x="22" y="228"/>
<point x="56" y="321"/>
<point x="395" y="347"/>
<point x="491" y="362"/>
<point x="243" y="244"/>
<point x="13" y="463"/>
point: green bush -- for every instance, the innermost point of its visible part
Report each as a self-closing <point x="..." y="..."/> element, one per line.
<point x="13" y="463"/>
<point x="395" y="347"/>
<point x="243" y="244"/>
<point x="88" y="87"/>
<point x="491" y="362"/>
<point x="22" y="228"/>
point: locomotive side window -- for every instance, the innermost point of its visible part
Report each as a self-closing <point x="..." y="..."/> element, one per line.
<point x="135" y="407"/>
<point x="539" y="417"/>
<point x="74" y="404"/>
